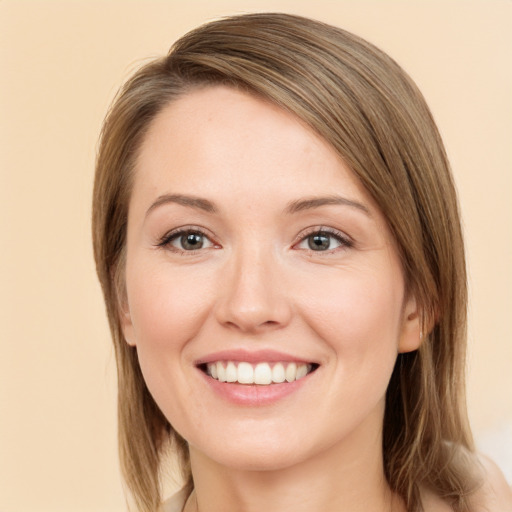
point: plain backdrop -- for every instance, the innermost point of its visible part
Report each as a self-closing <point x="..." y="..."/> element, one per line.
<point x="60" y="65"/>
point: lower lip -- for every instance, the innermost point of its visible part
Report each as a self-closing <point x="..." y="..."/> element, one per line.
<point x="253" y="395"/>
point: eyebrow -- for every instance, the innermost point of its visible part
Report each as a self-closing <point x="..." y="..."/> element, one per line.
<point x="309" y="203"/>
<point x="191" y="201"/>
<point x="296" y="206"/>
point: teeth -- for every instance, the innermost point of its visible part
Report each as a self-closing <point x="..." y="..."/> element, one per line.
<point x="291" y="372"/>
<point x="221" y="372"/>
<point x="245" y="373"/>
<point x="231" y="372"/>
<point x="278" y="373"/>
<point x="302" y="371"/>
<point x="262" y="374"/>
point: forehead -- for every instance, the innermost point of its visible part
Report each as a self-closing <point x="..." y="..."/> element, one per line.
<point x="217" y="137"/>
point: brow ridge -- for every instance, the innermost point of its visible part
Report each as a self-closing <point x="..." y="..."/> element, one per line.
<point x="198" y="203"/>
<point x="309" y="203"/>
<point x="292" y="207"/>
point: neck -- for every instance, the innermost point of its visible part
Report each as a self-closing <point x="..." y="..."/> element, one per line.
<point x="348" y="476"/>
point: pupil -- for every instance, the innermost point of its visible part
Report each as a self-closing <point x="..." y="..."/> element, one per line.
<point x="192" y="241"/>
<point x="319" y="242"/>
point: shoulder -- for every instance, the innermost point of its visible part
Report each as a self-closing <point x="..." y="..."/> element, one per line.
<point x="175" y="503"/>
<point x="495" y="494"/>
<point x="433" y="503"/>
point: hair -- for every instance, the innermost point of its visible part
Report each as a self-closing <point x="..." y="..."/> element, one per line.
<point x="359" y="100"/>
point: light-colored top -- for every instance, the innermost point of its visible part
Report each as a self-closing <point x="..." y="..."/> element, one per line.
<point x="175" y="503"/>
<point x="494" y="495"/>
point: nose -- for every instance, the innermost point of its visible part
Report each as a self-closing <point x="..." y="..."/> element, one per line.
<point x="253" y="298"/>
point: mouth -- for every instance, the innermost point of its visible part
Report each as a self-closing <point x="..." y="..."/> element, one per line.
<point x="261" y="374"/>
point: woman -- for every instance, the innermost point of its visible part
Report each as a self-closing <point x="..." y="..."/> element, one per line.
<point x="277" y="236"/>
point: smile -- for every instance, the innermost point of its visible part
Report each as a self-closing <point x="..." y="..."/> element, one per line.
<point x="262" y="374"/>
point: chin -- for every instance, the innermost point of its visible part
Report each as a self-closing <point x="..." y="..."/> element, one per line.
<point x="255" y="456"/>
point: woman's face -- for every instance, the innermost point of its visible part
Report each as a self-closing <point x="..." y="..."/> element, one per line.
<point x="255" y="256"/>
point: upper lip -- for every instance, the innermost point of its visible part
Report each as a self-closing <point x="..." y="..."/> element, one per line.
<point x="251" y="356"/>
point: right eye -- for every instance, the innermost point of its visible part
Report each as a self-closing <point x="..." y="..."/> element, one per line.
<point x="186" y="241"/>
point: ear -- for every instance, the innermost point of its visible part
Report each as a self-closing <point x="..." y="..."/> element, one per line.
<point x="410" y="335"/>
<point x="121" y="298"/>
<point x="125" y="318"/>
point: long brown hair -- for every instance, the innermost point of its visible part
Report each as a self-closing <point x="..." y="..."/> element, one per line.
<point x="360" y="101"/>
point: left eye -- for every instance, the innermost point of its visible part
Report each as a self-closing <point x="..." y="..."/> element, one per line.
<point x="321" y="241"/>
<point x="189" y="241"/>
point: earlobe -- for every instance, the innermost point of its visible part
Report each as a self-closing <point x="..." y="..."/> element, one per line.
<point x="411" y="335"/>
<point x="125" y="320"/>
<point x="123" y="308"/>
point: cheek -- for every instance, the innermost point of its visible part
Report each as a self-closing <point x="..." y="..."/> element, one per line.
<point x="358" y="316"/>
<point x="166" y="308"/>
<point x="358" y="307"/>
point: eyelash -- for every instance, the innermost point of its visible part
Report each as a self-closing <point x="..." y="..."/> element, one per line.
<point x="165" y="242"/>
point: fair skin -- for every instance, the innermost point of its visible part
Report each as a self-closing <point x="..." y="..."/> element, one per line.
<point x="250" y="242"/>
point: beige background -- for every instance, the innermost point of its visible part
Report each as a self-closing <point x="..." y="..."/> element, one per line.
<point x="60" y="65"/>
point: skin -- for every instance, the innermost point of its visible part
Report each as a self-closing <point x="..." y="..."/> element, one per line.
<point x="257" y="285"/>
